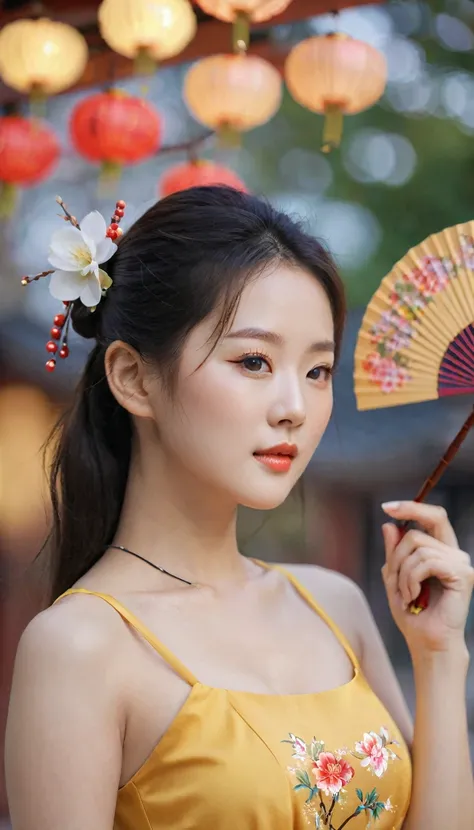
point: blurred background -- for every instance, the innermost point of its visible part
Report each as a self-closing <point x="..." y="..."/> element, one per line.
<point x="391" y="183"/>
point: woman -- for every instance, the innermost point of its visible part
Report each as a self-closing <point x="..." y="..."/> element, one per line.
<point x="179" y="684"/>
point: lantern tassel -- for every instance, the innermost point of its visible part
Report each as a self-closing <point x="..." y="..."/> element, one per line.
<point x="8" y="200"/>
<point x="37" y="102"/>
<point x="332" y="131"/>
<point x="144" y="64"/>
<point x="228" y="136"/>
<point x="241" y="32"/>
<point x="110" y="173"/>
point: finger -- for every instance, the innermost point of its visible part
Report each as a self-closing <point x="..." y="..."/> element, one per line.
<point x="390" y="582"/>
<point x="433" y="518"/>
<point x="409" y="543"/>
<point x="395" y="599"/>
<point x="456" y="560"/>
<point x="433" y="567"/>
<point x="391" y="537"/>
<point x="409" y="567"/>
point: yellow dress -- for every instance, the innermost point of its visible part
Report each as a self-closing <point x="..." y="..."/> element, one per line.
<point x="251" y="761"/>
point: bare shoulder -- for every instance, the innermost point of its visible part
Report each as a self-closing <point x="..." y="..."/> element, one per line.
<point x="66" y="693"/>
<point x="319" y="579"/>
<point x="71" y="642"/>
<point x="76" y="627"/>
<point x="339" y="596"/>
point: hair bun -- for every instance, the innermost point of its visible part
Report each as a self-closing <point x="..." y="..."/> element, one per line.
<point x="84" y="321"/>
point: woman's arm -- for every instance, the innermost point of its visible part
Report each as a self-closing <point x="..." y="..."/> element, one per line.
<point x="64" y="736"/>
<point x="443" y="788"/>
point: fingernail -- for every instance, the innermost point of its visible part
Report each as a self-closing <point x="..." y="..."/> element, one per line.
<point x="391" y="505"/>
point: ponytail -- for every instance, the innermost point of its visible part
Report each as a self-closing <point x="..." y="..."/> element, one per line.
<point x="88" y="475"/>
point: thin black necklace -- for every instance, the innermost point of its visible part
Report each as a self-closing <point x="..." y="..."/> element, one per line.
<point x="157" y="567"/>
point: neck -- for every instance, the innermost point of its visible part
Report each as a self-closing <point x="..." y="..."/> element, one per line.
<point x="170" y="518"/>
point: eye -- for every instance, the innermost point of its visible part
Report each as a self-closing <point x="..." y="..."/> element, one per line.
<point x="257" y="364"/>
<point x="321" y="373"/>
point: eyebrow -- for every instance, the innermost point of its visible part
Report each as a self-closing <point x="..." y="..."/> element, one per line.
<point x="277" y="339"/>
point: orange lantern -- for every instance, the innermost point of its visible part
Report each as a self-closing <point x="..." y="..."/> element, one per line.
<point x="232" y="93"/>
<point x="115" y="129"/>
<point x="241" y="13"/>
<point x="335" y="75"/>
<point x="198" y="173"/>
<point x="29" y="151"/>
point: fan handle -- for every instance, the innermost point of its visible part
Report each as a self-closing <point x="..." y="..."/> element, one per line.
<point x="423" y="599"/>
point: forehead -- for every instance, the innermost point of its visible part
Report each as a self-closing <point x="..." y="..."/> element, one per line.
<point x="285" y="299"/>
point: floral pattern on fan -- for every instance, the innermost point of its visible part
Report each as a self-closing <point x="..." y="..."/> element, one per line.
<point x="323" y="777"/>
<point x="410" y="295"/>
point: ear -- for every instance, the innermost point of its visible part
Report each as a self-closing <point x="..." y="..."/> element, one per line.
<point x="127" y="377"/>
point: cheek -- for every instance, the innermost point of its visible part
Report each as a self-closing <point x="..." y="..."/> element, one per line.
<point x="216" y="394"/>
<point x="214" y="409"/>
<point x="321" y="411"/>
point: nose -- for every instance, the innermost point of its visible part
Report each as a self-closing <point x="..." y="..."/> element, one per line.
<point x="288" y="406"/>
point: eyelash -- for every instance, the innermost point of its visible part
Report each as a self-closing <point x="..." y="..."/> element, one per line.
<point x="266" y="358"/>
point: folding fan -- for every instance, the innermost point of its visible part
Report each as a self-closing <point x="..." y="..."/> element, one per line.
<point x="416" y="341"/>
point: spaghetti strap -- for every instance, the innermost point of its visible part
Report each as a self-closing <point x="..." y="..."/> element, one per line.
<point x="308" y="597"/>
<point x="147" y="635"/>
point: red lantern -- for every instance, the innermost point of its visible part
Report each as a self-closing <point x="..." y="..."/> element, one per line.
<point x="29" y="151"/>
<point x="115" y="129"/>
<point x="197" y="174"/>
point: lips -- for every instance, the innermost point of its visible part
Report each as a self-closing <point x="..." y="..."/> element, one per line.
<point x="278" y="458"/>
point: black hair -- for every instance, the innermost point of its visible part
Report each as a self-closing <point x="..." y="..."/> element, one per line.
<point x="189" y="254"/>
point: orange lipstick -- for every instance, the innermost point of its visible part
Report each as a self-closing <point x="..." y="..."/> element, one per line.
<point x="278" y="458"/>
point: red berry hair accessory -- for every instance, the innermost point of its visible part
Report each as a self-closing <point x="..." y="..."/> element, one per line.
<point x="75" y="254"/>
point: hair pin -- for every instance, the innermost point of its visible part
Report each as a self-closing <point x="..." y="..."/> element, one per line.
<point x="76" y="254"/>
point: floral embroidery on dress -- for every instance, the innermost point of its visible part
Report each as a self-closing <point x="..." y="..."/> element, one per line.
<point x="410" y="295"/>
<point x="323" y="777"/>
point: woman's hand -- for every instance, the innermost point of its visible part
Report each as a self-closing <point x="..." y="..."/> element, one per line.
<point x="424" y="554"/>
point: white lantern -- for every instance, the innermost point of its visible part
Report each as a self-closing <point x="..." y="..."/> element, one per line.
<point x="147" y="30"/>
<point x="41" y="56"/>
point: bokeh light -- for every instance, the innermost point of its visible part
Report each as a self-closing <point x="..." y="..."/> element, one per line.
<point x="373" y="156"/>
<point x="308" y="171"/>
<point x="405" y="60"/>
<point x="453" y="33"/>
<point x="350" y="231"/>
<point x="369" y="23"/>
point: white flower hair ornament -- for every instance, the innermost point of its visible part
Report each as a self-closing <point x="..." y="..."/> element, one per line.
<point x="76" y="254"/>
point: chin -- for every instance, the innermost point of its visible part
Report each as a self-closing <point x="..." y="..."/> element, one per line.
<point x="262" y="503"/>
<point x="266" y="495"/>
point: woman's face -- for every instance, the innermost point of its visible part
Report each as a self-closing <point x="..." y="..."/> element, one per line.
<point x="266" y="385"/>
